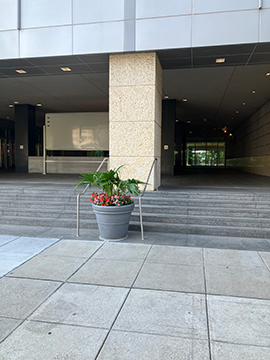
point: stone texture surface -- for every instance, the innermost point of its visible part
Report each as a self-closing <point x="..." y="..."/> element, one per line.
<point x="71" y="248"/>
<point x="164" y="313"/>
<point x="171" y="277"/>
<point x="266" y="258"/>
<point x="239" y="320"/>
<point x="19" y="297"/>
<point x="231" y="258"/>
<point x="10" y="261"/>
<point x="4" y="239"/>
<point x="7" y="326"/>
<point x="222" y="351"/>
<point x="175" y="255"/>
<point x="27" y="245"/>
<point x="132" y="346"/>
<point x="107" y="272"/>
<point x="84" y="305"/>
<point x="57" y="268"/>
<point x="238" y="281"/>
<point x="135" y="113"/>
<point x="33" y="340"/>
<point x="125" y="252"/>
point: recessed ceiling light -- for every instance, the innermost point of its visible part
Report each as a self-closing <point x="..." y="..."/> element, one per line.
<point x="267" y="74"/>
<point x="230" y="134"/>
<point x="11" y="105"/>
<point x="16" y="102"/>
<point x="188" y="121"/>
<point x="237" y="112"/>
<point x="204" y="120"/>
<point x="190" y="132"/>
<point x="39" y="104"/>
<point x="220" y="60"/>
<point x="7" y="117"/>
<point x="232" y="118"/>
<point x="66" y="69"/>
<point x="21" y="71"/>
<point x="176" y="120"/>
<point x="184" y="99"/>
<point x="244" y="103"/>
<point x="253" y="92"/>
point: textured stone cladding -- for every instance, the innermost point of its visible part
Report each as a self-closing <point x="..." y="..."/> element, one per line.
<point x="135" y="115"/>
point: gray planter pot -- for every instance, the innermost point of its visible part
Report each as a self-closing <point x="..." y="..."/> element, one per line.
<point x="113" y="221"/>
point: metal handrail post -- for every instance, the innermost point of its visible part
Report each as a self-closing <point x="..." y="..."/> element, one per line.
<point x="82" y="193"/>
<point x="140" y="197"/>
<point x="44" y="150"/>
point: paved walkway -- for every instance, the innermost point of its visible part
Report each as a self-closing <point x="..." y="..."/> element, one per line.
<point x="89" y="299"/>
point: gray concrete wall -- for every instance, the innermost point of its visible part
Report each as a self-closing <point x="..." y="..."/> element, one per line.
<point x="249" y="149"/>
<point x="66" y="27"/>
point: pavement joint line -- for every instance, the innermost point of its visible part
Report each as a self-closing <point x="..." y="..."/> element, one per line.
<point x="206" y="308"/>
<point x="110" y="329"/>
<point x="241" y="344"/>
<point x="10" y="240"/>
<point x="65" y="324"/>
<point x="267" y="267"/>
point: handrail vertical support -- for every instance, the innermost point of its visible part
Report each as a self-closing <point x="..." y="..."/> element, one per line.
<point x="44" y="150"/>
<point x="140" y="207"/>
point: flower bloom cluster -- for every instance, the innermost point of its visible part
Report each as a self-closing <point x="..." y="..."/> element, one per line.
<point x="103" y="199"/>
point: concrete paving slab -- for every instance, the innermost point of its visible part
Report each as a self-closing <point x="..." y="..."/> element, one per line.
<point x="48" y="268"/>
<point x="71" y="233"/>
<point x="70" y="248"/>
<point x="171" y="277"/>
<point x="20" y="297"/>
<point x="19" y="230"/>
<point x="132" y="346"/>
<point x="239" y="320"/>
<point x="222" y="351"/>
<point x="11" y="261"/>
<point x="4" y="239"/>
<point x="34" y="340"/>
<point x="7" y="326"/>
<point x="122" y="251"/>
<point x="85" y="305"/>
<point x="27" y="245"/>
<point x="175" y="255"/>
<point x="253" y="282"/>
<point x="164" y="313"/>
<point x="107" y="272"/>
<point x="266" y="258"/>
<point x="232" y="258"/>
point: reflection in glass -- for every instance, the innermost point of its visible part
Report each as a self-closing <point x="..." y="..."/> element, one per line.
<point x="205" y="153"/>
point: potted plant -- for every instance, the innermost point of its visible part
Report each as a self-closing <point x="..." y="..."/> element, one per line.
<point x="113" y="206"/>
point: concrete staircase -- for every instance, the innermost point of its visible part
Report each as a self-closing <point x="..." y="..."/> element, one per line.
<point x="202" y="213"/>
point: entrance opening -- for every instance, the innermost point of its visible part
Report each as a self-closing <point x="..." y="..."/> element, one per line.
<point x="205" y="152"/>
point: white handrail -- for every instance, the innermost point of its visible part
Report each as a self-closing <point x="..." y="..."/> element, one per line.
<point x="82" y="193"/>
<point x="155" y="161"/>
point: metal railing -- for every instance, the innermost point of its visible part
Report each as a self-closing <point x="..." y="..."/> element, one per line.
<point x="140" y="196"/>
<point x="82" y="193"/>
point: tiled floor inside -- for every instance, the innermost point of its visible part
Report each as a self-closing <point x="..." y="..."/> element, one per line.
<point x="82" y="299"/>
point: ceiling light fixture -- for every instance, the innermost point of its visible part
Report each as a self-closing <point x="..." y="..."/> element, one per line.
<point x="204" y="120"/>
<point x="176" y="120"/>
<point x="188" y="121"/>
<point x="237" y="112"/>
<point x="166" y="97"/>
<point x="184" y="99"/>
<point x="190" y="132"/>
<point x="244" y="103"/>
<point x="21" y="71"/>
<point x="253" y="92"/>
<point x="16" y="102"/>
<point x="219" y="61"/>
<point x="11" y="105"/>
<point x="39" y="104"/>
<point x="267" y="74"/>
<point x="66" y="69"/>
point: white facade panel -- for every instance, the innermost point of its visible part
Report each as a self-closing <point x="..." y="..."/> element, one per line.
<point x="9" y="47"/>
<point x="8" y="14"/>
<point x="98" y="38"/>
<point x="265" y="4"/>
<point x="163" y="33"/>
<point x="45" y="13"/>
<point x="154" y="8"/>
<point x="87" y="11"/>
<point x="265" y="25"/>
<point x="50" y="41"/>
<point x="207" y="6"/>
<point x="225" y="28"/>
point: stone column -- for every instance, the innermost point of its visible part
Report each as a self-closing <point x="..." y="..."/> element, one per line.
<point x="135" y="115"/>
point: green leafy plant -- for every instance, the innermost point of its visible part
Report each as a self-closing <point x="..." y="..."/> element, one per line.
<point x="110" y="183"/>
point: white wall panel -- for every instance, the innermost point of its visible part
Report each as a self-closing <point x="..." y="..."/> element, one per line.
<point x="163" y="33"/>
<point x="225" y="28"/>
<point x="98" y="38"/>
<point x="39" y="13"/>
<point x="206" y="6"/>
<point x="50" y="41"/>
<point x="8" y="14"/>
<point x="154" y="8"/>
<point x="86" y="11"/>
<point x="265" y="4"/>
<point x="9" y="47"/>
<point x="265" y="25"/>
